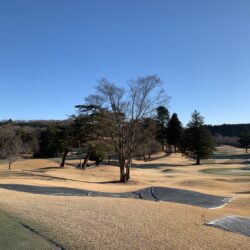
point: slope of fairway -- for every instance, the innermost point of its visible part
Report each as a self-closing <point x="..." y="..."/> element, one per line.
<point x="109" y="223"/>
<point x="15" y="236"/>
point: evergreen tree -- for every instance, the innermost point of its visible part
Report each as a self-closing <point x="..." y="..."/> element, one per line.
<point x="48" y="142"/>
<point x="174" y="131"/>
<point x="245" y="139"/>
<point x="198" y="141"/>
<point x="88" y="128"/>
<point x="162" y="119"/>
<point x="56" y="139"/>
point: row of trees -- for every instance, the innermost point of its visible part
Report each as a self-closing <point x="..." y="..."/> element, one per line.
<point x="245" y="139"/>
<point x="114" y="122"/>
<point x="122" y="122"/>
<point x="229" y="130"/>
<point x="170" y="129"/>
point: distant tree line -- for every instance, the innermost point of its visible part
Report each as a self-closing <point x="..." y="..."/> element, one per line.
<point x="231" y="134"/>
<point x="228" y="130"/>
<point x="114" y="123"/>
<point x="245" y="139"/>
<point x="36" y="124"/>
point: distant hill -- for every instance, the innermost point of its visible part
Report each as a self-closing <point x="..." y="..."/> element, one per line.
<point x="34" y="123"/>
<point x="231" y="130"/>
<point x="226" y="130"/>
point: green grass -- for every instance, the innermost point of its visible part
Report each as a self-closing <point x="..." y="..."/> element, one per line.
<point x="15" y="236"/>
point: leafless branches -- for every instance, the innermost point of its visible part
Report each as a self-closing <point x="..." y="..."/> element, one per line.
<point x="11" y="147"/>
<point x="123" y="110"/>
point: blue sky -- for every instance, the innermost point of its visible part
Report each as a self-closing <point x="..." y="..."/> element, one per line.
<point x="53" y="51"/>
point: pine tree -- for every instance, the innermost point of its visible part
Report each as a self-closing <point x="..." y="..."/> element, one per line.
<point x="174" y="131"/>
<point x="162" y="119"/>
<point x="198" y="141"/>
<point x="245" y="139"/>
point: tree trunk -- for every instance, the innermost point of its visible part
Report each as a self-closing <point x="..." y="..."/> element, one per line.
<point x="175" y="150"/>
<point x="65" y="153"/>
<point x="86" y="159"/>
<point x="198" y="162"/>
<point x="162" y="138"/>
<point x="144" y="158"/>
<point x="128" y="166"/>
<point x="9" y="165"/>
<point x="123" y="174"/>
<point x="127" y="173"/>
<point x="246" y="149"/>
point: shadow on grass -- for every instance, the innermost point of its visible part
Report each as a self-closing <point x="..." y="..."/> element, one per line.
<point x="158" y="165"/>
<point x="44" y="190"/>
<point x="230" y="157"/>
<point x="159" y="157"/>
<point x="46" y="169"/>
<point x="235" y="180"/>
<point x="245" y="192"/>
<point x="26" y="174"/>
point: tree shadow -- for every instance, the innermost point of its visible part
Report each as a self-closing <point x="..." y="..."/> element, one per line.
<point x="158" y="165"/>
<point x="62" y="191"/>
<point x="39" y="176"/>
<point x="244" y="192"/>
<point x="235" y="180"/>
<point x="44" y="190"/>
<point x="105" y="182"/>
<point x="230" y="157"/>
<point x="227" y="163"/>
<point x="159" y="157"/>
<point x="49" y="177"/>
<point x="42" y="170"/>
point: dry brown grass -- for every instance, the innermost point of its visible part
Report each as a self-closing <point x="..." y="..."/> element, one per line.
<point x="109" y="223"/>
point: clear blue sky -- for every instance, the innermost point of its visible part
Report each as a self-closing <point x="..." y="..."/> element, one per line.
<point x="53" y="51"/>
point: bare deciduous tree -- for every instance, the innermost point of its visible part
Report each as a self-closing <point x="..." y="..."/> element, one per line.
<point x="11" y="147"/>
<point x="123" y="110"/>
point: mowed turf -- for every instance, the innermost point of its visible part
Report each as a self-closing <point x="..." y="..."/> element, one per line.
<point x="15" y="236"/>
<point x="113" y="223"/>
